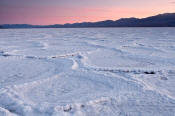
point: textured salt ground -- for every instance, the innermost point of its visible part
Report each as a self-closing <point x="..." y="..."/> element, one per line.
<point x="91" y="72"/>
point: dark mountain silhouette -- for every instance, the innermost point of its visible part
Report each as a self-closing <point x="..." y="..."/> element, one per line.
<point x="161" y="20"/>
<point x="0" y="27"/>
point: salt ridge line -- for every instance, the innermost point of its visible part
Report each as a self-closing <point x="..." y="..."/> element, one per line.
<point x="112" y="102"/>
<point x="100" y="69"/>
<point x="115" y="70"/>
<point x="124" y="71"/>
<point x="6" y="112"/>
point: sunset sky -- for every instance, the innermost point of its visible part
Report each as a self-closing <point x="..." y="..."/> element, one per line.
<point x="45" y="12"/>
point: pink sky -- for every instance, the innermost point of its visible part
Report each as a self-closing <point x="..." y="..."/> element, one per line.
<point x="70" y="11"/>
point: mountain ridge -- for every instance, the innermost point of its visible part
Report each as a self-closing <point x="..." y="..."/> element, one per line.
<point x="160" y="20"/>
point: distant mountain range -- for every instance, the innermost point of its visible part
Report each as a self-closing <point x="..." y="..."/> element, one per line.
<point x="161" y="20"/>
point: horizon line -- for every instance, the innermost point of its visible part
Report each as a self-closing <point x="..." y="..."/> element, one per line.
<point x="85" y="21"/>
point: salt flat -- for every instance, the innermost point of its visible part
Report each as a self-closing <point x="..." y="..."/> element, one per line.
<point x="87" y="72"/>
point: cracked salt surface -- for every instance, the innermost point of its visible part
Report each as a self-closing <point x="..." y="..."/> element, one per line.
<point x="87" y="72"/>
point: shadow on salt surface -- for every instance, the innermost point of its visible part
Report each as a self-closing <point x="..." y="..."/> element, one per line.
<point x="3" y="54"/>
<point x="5" y="112"/>
<point x="148" y="72"/>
